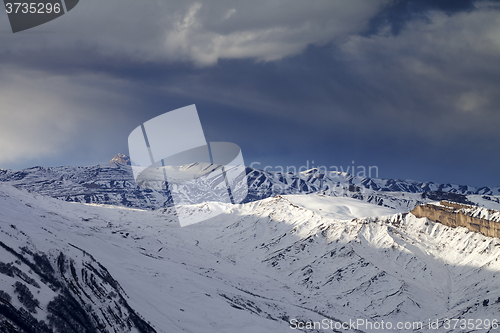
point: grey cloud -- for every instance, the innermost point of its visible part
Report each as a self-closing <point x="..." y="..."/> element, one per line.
<point x="398" y="13"/>
<point x="45" y="115"/>
<point x="200" y="32"/>
<point x="447" y="67"/>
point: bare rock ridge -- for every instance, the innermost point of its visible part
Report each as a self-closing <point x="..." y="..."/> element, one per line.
<point x="477" y="219"/>
<point x="120" y="159"/>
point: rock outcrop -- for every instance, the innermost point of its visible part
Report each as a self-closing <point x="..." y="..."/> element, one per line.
<point x="477" y="219"/>
<point x="120" y="159"/>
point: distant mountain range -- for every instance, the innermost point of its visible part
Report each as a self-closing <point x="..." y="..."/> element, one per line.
<point x="114" y="184"/>
<point x="120" y="159"/>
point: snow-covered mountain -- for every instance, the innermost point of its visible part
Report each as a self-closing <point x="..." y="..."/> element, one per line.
<point x="120" y="159"/>
<point x="270" y="265"/>
<point x="114" y="184"/>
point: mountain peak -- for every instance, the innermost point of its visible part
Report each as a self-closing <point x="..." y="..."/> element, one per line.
<point x="120" y="159"/>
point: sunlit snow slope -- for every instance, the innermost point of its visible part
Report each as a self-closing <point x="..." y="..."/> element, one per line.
<point x="253" y="268"/>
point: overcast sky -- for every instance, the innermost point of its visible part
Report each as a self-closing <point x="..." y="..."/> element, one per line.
<point x="412" y="87"/>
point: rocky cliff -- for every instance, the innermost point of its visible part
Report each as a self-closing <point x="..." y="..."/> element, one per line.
<point x="477" y="219"/>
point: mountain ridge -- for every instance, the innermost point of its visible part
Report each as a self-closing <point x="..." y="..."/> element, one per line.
<point x="114" y="184"/>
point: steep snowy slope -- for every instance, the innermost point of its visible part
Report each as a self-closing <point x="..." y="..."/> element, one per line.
<point x="338" y="208"/>
<point x="258" y="267"/>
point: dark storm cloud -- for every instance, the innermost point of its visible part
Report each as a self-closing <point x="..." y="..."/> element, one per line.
<point x="430" y="120"/>
<point x="82" y="60"/>
<point x="399" y="12"/>
<point x="198" y="32"/>
<point x="421" y="103"/>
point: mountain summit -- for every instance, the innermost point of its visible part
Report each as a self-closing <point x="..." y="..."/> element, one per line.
<point x="120" y="159"/>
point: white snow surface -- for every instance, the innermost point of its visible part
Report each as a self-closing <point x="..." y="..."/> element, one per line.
<point x="339" y="208"/>
<point x="258" y="265"/>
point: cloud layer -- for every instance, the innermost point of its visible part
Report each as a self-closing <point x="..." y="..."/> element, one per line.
<point x="45" y="115"/>
<point x="203" y="32"/>
<point x="410" y="88"/>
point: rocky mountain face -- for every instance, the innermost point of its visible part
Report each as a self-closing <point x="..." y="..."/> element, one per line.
<point x="55" y="286"/>
<point x="315" y="262"/>
<point x="64" y="292"/>
<point x="114" y="185"/>
<point x="477" y="219"/>
<point x="120" y="159"/>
